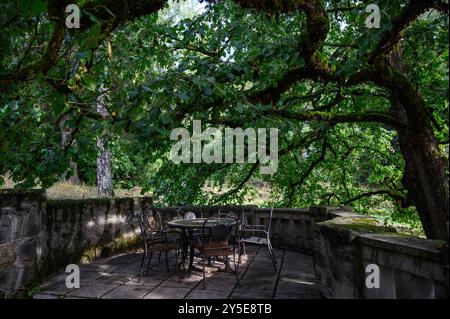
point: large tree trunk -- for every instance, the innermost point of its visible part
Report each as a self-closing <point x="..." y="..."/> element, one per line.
<point x="426" y="179"/>
<point x="425" y="175"/>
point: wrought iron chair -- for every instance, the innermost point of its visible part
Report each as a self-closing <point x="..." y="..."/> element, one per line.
<point x="233" y="211"/>
<point x="264" y="232"/>
<point x="215" y="243"/>
<point x="156" y="238"/>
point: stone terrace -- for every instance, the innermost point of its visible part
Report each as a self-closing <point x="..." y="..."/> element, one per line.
<point x="117" y="278"/>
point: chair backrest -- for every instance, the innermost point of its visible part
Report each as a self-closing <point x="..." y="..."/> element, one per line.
<point x="233" y="211"/>
<point x="269" y="226"/>
<point x="150" y="220"/>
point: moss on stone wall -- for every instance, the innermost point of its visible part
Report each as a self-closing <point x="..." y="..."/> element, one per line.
<point x="359" y="224"/>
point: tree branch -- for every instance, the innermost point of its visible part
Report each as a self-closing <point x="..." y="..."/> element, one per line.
<point x="390" y="193"/>
<point x="390" y="38"/>
<point x="334" y="118"/>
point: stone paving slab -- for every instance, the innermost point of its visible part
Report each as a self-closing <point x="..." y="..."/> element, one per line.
<point x="207" y="294"/>
<point x="58" y="288"/>
<point x="145" y="281"/>
<point x="117" y="277"/>
<point x="114" y="278"/>
<point x="128" y="292"/>
<point x="100" y="267"/>
<point x="297" y="275"/>
<point x="92" y="290"/>
<point x="168" y="293"/>
<point x="260" y="274"/>
<point x="290" y="287"/>
<point x="219" y="284"/>
<point x="255" y="286"/>
<point x="189" y="282"/>
<point x="250" y="295"/>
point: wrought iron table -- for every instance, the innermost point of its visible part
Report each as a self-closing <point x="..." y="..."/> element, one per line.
<point x="188" y="226"/>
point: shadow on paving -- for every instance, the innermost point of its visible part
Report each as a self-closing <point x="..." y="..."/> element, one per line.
<point x="117" y="278"/>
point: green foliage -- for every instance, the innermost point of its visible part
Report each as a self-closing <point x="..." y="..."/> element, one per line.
<point x="172" y="67"/>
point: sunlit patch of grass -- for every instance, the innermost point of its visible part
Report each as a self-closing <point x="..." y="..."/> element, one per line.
<point x="66" y="190"/>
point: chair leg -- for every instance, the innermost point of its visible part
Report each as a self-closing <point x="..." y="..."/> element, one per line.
<point x="236" y="265"/>
<point x="143" y="260"/>
<point x="271" y="247"/>
<point x="159" y="257"/>
<point x="239" y="254"/>
<point x="167" y="261"/>
<point x="149" y="262"/>
<point x="176" y="265"/>
<point x="204" y="277"/>
<point x="272" y="255"/>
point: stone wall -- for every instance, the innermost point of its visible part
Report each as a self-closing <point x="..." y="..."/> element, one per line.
<point x="410" y="267"/>
<point x="292" y="227"/>
<point x="82" y="230"/>
<point x="39" y="237"/>
<point x="22" y="238"/>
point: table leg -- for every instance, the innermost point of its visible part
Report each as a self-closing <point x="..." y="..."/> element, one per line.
<point x="192" y="249"/>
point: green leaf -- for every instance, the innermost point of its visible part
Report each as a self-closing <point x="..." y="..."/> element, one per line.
<point x="89" y="82"/>
<point x="182" y="95"/>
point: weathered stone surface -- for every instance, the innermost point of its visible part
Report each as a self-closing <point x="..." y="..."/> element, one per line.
<point x="255" y="286"/>
<point x="260" y="274"/>
<point x="250" y="295"/>
<point x="189" y="282"/>
<point x="387" y="286"/>
<point x="219" y="284"/>
<point x="409" y="267"/>
<point x="207" y="294"/>
<point x="56" y="288"/>
<point x="127" y="292"/>
<point x="408" y="286"/>
<point x="106" y="278"/>
<point x="6" y="228"/>
<point x="27" y="249"/>
<point x="296" y="287"/>
<point x="167" y="293"/>
<point x="92" y="290"/>
<point x="8" y="254"/>
<point x="26" y="274"/>
<point x="8" y="278"/>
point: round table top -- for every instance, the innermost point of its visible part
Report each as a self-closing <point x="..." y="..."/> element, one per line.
<point x="198" y="222"/>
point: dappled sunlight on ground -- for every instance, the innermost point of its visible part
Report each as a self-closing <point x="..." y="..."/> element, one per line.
<point x="117" y="278"/>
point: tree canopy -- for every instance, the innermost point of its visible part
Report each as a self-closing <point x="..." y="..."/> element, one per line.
<point x="362" y="112"/>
